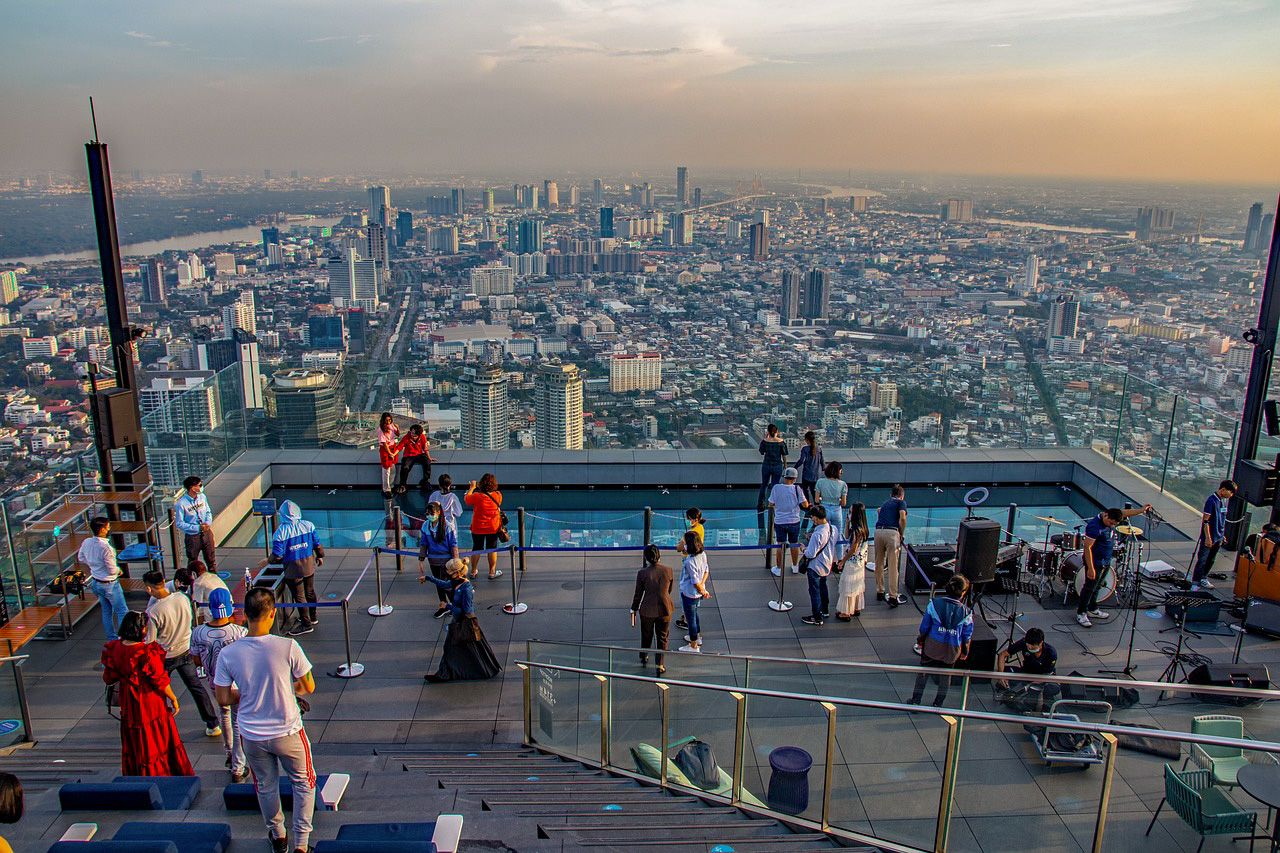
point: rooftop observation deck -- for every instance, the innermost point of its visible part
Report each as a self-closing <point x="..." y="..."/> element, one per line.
<point x="887" y="766"/>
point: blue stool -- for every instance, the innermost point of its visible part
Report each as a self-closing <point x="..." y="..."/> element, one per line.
<point x="789" y="782"/>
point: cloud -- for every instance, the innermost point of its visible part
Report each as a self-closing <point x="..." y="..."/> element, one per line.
<point x="149" y="39"/>
<point x="364" y="38"/>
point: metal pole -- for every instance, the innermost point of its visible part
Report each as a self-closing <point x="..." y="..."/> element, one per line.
<point x="398" y="524"/>
<point x="378" y="609"/>
<point x="604" y="721"/>
<point x="173" y="539"/>
<point x="948" y="784"/>
<point x="13" y="556"/>
<point x="20" y="686"/>
<point x="514" y="607"/>
<point x="648" y="525"/>
<point x="1168" y="442"/>
<point x="831" y="752"/>
<point x="739" y="746"/>
<point x="350" y="669"/>
<point x="527" y="687"/>
<point x="780" y="604"/>
<point x="1124" y="397"/>
<point x="1008" y="528"/>
<point x="1105" y="797"/>
<point x="66" y="596"/>
<point x="664" y="710"/>
<point x="520" y="534"/>
<point x="768" y="539"/>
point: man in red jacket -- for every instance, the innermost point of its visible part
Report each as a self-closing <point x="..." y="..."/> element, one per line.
<point x="414" y="448"/>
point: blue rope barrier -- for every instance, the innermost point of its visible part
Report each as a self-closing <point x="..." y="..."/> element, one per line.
<point x="501" y="550"/>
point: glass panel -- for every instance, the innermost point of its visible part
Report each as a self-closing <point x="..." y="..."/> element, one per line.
<point x="1144" y="432"/>
<point x="10" y="714"/>
<point x="785" y="761"/>
<point x="1201" y="451"/>
<point x="635" y="717"/>
<point x="709" y="716"/>
<point x="566" y="712"/>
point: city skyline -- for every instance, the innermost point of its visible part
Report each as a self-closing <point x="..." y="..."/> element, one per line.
<point x="1145" y="89"/>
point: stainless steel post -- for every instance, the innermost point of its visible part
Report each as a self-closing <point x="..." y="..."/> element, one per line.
<point x="378" y="609"/>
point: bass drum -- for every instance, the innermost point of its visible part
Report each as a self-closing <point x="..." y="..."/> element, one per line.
<point x="1105" y="591"/>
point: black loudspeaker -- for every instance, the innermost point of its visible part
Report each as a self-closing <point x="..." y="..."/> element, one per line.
<point x="116" y="412"/>
<point x="929" y="558"/>
<point x="977" y="548"/>
<point x="1249" y="676"/>
<point x="982" y="648"/>
<point x="1263" y="617"/>
<point x="1207" y="611"/>
<point x="132" y="474"/>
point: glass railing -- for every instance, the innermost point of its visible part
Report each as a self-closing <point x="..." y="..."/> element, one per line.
<point x="837" y="747"/>
<point x="15" y="716"/>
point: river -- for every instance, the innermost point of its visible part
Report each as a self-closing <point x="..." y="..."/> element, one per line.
<point x="186" y="243"/>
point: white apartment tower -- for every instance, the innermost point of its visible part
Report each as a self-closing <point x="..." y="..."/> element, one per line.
<point x="482" y="396"/>
<point x="635" y="371"/>
<point x="558" y="407"/>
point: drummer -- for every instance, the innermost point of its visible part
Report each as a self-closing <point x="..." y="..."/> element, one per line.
<point x="1099" y="545"/>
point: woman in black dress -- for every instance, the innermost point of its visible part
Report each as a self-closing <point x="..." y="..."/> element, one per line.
<point x="467" y="655"/>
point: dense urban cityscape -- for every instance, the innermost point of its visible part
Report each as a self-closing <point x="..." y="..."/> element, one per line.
<point x="661" y="313"/>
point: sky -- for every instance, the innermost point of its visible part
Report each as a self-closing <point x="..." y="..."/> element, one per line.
<point x="1170" y="90"/>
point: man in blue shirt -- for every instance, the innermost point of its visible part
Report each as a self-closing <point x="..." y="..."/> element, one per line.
<point x="1213" y="533"/>
<point x="193" y="517"/>
<point x="890" y="536"/>
<point x="1099" y="546"/>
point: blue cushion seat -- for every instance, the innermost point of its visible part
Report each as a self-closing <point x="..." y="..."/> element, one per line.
<point x="110" y="796"/>
<point x="188" y="837"/>
<point x="387" y="831"/>
<point x="178" y="792"/>
<point x="243" y="796"/>
<point x="114" y="847"/>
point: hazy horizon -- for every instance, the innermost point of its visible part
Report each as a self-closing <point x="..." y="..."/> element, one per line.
<point x="1165" y="91"/>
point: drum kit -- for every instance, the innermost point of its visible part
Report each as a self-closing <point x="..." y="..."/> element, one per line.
<point x="1061" y="560"/>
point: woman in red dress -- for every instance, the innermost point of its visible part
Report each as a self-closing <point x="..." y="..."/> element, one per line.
<point x="149" y="741"/>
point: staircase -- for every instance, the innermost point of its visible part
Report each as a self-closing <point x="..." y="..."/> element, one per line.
<point x="572" y="806"/>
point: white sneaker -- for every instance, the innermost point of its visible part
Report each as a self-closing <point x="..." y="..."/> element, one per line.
<point x="775" y="571"/>
<point x="690" y="648"/>
<point x="795" y="570"/>
<point x="688" y="639"/>
<point x="918" y="649"/>
<point x="1204" y="584"/>
<point x="1099" y="614"/>
<point x="213" y="731"/>
<point x="1083" y="619"/>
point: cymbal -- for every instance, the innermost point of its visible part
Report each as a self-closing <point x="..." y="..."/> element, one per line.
<point x="1050" y="519"/>
<point x="1128" y="530"/>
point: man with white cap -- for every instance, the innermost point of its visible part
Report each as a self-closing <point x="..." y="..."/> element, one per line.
<point x="789" y="503"/>
<point x="207" y="642"/>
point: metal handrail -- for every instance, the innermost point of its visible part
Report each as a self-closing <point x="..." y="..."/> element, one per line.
<point x="1163" y="686"/>
<point x="15" y="659"/>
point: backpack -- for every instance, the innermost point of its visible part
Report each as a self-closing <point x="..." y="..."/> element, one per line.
<point x="697" y="761"/>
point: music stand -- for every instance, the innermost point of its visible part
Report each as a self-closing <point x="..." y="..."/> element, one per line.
<point x="1177" y="663"/>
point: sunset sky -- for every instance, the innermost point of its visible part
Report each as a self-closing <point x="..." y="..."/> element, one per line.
<point x="1183" y="90"/>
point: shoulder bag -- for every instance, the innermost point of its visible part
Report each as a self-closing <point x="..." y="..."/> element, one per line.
<point x="503" y="535"/>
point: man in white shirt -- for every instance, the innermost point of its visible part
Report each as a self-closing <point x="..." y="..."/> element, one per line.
<point x="203" y="583"/>
<point x="169" y="624"/>
<point x="192" y="515"/>
<point x="789" y="503"/>
<point x="821" y="552"/>
<point x="207" y="643"/>
<point x="104" y="575"/>
<point x="263" y="675"/>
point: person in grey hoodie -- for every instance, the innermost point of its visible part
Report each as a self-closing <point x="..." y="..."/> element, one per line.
<point x="296" y="545"/>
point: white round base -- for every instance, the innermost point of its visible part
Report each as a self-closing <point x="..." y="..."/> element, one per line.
<point x="356" y="670"/>
<point x="780" y="606"/>
<point x="515" y="609"/>
<point x="375" y="610"/>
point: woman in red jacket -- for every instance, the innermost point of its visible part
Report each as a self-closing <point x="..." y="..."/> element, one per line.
<point x="486" y="517"/>
<point x="414" y="447"/>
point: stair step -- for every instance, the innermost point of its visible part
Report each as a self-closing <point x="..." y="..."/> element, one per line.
<point x="633" y="810"/>
<point x="568" y="798"/>
<point x="492" y="767"/>
<point x="493" y="785"/>
<point x="759" y="844"/>
<point x="721" y="828"/>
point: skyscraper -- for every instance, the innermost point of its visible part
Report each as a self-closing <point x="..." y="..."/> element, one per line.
<point x="488" y="200"/>
<point x="482" y="396"/>
<point x="789" y="303"/>
<point x="635" y="371"/>
<point x="1153" y="221"/>
<point x="303" y="407"/>
<point x="682" y="185"/>
<point x="573" y="195"/>
<point x="379" y="201"/>
<point x="697" y="198"/>
<point x="1253" y="228"/>
<point x="550" y="194"/>
<point x="759" y="242"/>
<point x="458" y="201"/>
<point x="857" y="204"/>
<point x="354" y="280"/>
<point x="817" y="295"/>
<point x="682" y="225"/>
<point x="8" y="286"/>
<point x="956" y="210"/>
<point x="597" y="192"/>
<point x="606" y="222"/>
<point x="1032" y="278"/>
<point x="269" y="236"/>
<point x="404" y="227"/>
<point x="528" y="236"/>
<point x="153" y="282"/>
<point x="1265" y="232"/>
<point x="558" y="407"/>
<point x="884" y="395"/>
<point x="376" y="247"/>
<point x="1064" y="318"/>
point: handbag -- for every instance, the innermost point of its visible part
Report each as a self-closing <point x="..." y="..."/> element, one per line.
<point x="503" y="535"/>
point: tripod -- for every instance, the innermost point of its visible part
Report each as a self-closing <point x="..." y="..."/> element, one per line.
<point x="1177" y="664"/>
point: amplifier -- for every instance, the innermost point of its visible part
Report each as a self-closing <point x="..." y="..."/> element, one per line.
<point x="1249" y="676"/>
<point x="1263" y="617"/>
<point x="1206" y="612"/>
<point x="930" y="559"/>
<point x="1009" y="560"/>
<point x="982" y="648"/>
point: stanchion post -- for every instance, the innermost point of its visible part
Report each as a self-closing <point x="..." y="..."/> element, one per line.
<point x="515" y="607"/>
<point x="648" y="525"/>
<point x="520" y="534"/>
<point x="398" y="523"/>
<point x="1008" y="528"/>
<point x="780" y="604"/>
<point x="379" y="609"/>
<point x="768" y="539"/>
<point x="350" y="669"/>
<point x="173" y="539"/>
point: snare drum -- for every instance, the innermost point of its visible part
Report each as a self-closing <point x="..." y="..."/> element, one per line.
<point x="1040" y="561"/>
<point x="1105" y="591"/>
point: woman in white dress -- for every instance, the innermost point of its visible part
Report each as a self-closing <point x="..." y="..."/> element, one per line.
<point x="853" y="577"/>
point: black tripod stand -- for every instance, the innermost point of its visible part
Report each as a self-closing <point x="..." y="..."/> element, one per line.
<point x="1178" y="662"/>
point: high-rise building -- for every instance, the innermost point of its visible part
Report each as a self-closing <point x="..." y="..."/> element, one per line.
<point x="197" y="177"/>
<point x="682" y="184"/>
<point x="697" y="198"/>
<point x="327" y="332"/>
<point x="404" y="227"/>
<point x="443" y="238"/>
<point x="304" y="406"/>
<point x="1265" y="233"/>
<point x="551" y="194"/>
<point x="682" y="226"/>
<point x="488" y="200"/>
<point x="240" y="348"/>
<point x="857" y="204"/>
<point x="1064" y="319"/>
<point x="1253" y="228"/>
<point x="482" y="397"/>
<point x="458" y="201"/>
<point x="759" y="242"/>
<point x="1154" y="221"/>
<point x="224" y="263"/>
<point x="357" y="330"/>
<point x="269" y="236"/>
<point x="8" y="286"/>
<point x="354" y="279"/>
<point x="789" y="303"/>
<point x="153" y="282"/>
<point x="491" y="280"/>
<point x="376" y="248"/>
<point x="635" y="371"/>
<point x="606" y="222"/>
<point x="240" y="314"/>
<point x="573" y="195"/>
<point x="379" y="203"/>
<point x="526" y="237"/>
<point x="558" y="407"/>
<point x="884" y="395"/>
<point x="1032" y="278"/>
<point x="597" y="192"/>
<point x="956" y="210"/>
<point x="817" y="296"/>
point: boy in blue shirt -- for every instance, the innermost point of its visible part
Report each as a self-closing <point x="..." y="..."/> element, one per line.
<point x="1213" y="533"/>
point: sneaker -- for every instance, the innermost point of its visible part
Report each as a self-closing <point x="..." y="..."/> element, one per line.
<point x="1204" y="584"/>
<point x="918" y="649"/>
<point x="688" y="639"/>
<point x="213" y="731"/>
<point x="795" y="570"/>
<point x="279" y="845"/>
<point x="681" y="624"/>
<point x="902" y="599"/>
<point x="879" y="596"/>
<point x="776" y="572"/>
<point x="893" y="600"/>
<point x="809" y="620"/>
<point x="1083" y="619"/>
<point x="691" y="648"/>
<point x="441" y="612"/>
<point x="1099" y="614"/>
<point x="307" y="849"/>
<point x="240" y="777"/>
<point x="300" y="629"/>
<point x="826" y="614"/>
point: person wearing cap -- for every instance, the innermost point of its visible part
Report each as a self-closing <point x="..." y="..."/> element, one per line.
<point x="203" y="583"/>
<point x="207" y="642"/>
<point x="789" y="503"/>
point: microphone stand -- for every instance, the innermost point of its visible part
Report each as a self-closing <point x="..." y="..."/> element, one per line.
<point x="1129" y="668"/>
